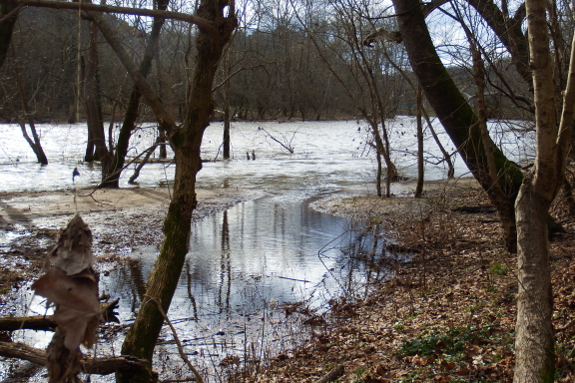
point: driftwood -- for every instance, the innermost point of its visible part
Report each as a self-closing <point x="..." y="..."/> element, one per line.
<point x="46" y="323"/>
<point x="101" y="366"/>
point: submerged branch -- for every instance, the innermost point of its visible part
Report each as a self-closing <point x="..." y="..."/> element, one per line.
<point x="45" y="323"/>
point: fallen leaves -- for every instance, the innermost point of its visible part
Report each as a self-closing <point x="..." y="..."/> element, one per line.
<point x="454" y="292"/>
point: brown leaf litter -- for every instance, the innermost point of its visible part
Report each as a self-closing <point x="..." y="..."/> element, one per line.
<point x="446" y="316"/>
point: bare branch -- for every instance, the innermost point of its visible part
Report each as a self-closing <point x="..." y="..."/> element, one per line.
<point x="200" y="22"/>
<point x="101" y="366"/>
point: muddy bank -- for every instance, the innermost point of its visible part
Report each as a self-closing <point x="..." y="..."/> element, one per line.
<point x="365" y="206"/>
<point x="120" y="220"/>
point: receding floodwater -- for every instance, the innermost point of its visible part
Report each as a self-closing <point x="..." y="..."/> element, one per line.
<point x="251" y="265"/>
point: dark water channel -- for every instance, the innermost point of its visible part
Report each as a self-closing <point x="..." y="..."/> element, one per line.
<point x="248" y="266"/>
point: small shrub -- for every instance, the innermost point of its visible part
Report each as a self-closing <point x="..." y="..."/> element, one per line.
<point x="498" y="268"/>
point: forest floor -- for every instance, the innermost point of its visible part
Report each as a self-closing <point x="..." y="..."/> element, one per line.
<point x="447" y="315"/>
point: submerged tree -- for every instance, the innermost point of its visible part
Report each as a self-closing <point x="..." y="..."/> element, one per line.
<point x="363" y="73"/>
<point x="216" y="21"/>
<point x="114" y="163"/>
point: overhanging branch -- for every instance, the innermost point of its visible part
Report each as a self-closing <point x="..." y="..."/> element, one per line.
<point x="200" y="22"/>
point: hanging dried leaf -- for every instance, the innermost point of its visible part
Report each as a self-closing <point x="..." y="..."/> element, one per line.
<point x="74" y="250"/>
<point x="80" y="293"/>
<point x="72" y="286"/>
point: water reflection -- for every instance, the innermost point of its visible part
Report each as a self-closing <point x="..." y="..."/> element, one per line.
<point x="246" y="267"/>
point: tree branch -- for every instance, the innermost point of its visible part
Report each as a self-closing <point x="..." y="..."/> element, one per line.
<point x="45" y="323"/>
<point x="101" y="366"/>
<point x="200" y="22"/>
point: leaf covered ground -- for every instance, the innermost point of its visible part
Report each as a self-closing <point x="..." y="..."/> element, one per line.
<point x="448" y="315"/>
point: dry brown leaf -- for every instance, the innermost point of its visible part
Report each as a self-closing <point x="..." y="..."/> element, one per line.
<point x="74" y="250"/>
<point x="78" y="293"/>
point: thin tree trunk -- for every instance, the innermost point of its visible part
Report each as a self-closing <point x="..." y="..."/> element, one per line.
<point x="420" y="167"/>
<point x="97" y="149"/>
<point x="446" y="156"/>
<point x="534" y="342"/>
<point x="9" y="15"/>
<point x="34" y="142"/>
<point x="113" y="169"/>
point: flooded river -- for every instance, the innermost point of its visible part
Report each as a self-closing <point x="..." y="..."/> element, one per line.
<point x="255" y="263"/>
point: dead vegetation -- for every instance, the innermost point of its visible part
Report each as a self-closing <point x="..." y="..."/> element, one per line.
<point x="446" y="316"/>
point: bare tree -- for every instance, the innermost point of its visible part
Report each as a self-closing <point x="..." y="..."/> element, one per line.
<point x="358" y="69"/>
<point x="534" y="344"/>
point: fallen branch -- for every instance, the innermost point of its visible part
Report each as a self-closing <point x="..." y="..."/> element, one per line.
<point x="101" y="366"/>
<point x="45" y="323"/>
<point x="287" y="146"/>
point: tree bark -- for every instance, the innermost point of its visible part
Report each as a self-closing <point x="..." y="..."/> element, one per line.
<point x="186" y="142"/>
<point x="96" y="148"/>
<point x="457" y="116"/>
<point x="534" y="343"/>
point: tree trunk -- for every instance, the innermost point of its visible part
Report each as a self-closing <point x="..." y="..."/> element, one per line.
<point x="112" y="170"/>
<point x="456" y="115"/>
<point x="141" y="338"/>
<point x="34" y="142"/>
<point x="534" y="342"/>
<point x="97" y="149"/>
<point x="6" y="28"/>
<point x="420" y="167"/>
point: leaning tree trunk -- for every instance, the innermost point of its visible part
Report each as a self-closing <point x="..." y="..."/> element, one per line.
<point x="457" y="116"/>
<point x="34" y="142"/>
<point x="112" y="168"/>
<point x="141" y="338"/>
<point x="420" y="168"/>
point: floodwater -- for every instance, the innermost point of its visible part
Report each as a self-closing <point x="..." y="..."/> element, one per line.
<point x="252" y="265"/>
<point x="328" y="155"/>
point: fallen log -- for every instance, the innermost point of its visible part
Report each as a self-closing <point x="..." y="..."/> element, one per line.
<point x="100" y="366"/>
<point x="45" y="322"/>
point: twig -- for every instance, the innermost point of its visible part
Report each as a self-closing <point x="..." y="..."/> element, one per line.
<point x="287" y="147"/>
<point x="178" y="343"/>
